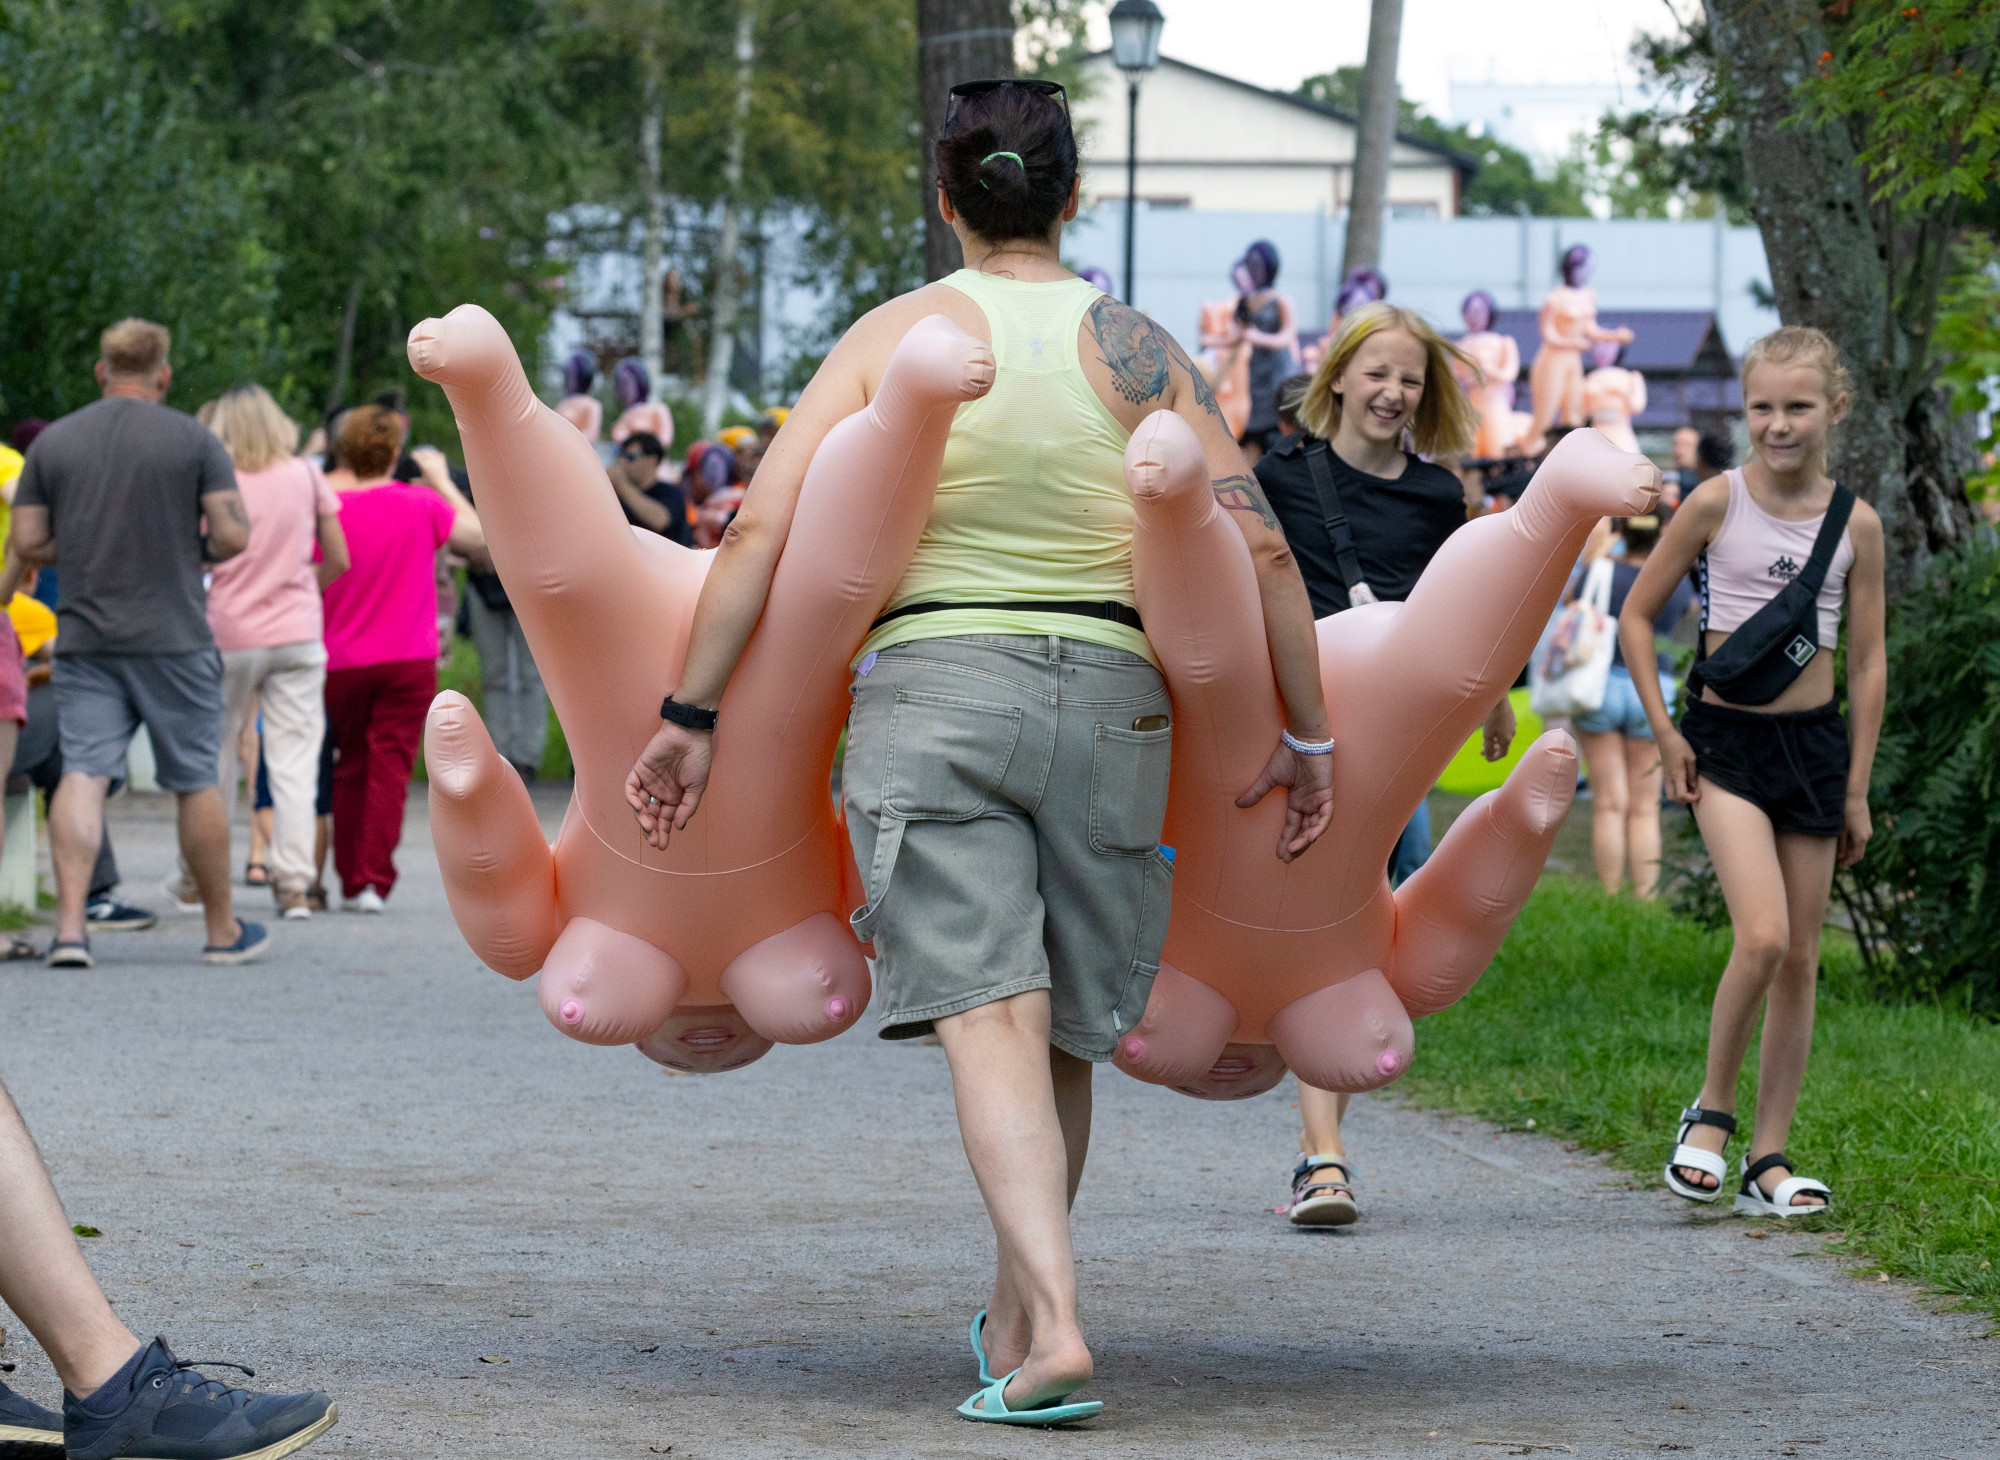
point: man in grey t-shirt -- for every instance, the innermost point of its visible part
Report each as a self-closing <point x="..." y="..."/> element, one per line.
<point x="116" y="493"/>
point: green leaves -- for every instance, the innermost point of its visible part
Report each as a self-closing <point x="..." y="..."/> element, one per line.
<point x="84" y="1229"/>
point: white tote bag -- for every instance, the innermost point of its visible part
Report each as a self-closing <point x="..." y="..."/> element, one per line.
<point x="1573" y="661"/>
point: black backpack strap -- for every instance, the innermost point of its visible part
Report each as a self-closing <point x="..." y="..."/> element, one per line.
<point x="1333" y="514"/>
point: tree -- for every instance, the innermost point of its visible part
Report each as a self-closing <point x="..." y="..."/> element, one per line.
<point x="1868" y="140"/>
<point x="957" y="40"/>
<point x="1374" y="138"/>
<point x="1681" y="154"/>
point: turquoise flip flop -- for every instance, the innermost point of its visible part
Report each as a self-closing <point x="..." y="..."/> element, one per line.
<point x="979" y="1349"/>
<point x="994" y="1410"/>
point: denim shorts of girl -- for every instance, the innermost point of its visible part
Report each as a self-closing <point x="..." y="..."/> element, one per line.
<point x="1621" y="711"/>
<point x="1004" y="797"/>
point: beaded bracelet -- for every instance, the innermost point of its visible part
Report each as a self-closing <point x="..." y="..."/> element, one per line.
<point x="1307" y="747"/>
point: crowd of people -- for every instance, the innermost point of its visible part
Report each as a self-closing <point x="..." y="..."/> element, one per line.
<point x="1017" y="938"/>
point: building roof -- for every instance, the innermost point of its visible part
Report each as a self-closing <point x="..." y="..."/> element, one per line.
<point x="1466" y="165"/>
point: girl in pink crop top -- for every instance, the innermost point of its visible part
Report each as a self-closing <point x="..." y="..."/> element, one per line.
<point x="1754" y="555"/>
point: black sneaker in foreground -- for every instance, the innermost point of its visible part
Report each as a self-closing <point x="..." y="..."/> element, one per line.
<point x="250" y="941"/>
<point x="103" y="915"/>
<point x="172" y="1413"/>
<point x="24" y="1422"/>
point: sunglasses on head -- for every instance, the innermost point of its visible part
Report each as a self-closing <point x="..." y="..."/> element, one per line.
<point x="1051" y="89"/>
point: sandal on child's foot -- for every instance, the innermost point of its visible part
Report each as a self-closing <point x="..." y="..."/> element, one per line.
<point x="1783" y="1199"/>
<point x="1695" y="1158"/>
<point x="1322" y="1203"/>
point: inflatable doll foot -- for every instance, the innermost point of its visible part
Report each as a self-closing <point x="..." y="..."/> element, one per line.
<point x="466" y="347"/>
<point x="602" y="986"/>
<point x="704" y="1042"/>
<point x="803" y="985"/>
<point x="1353" y="1036"/>
<point x="1181" y="1035"/>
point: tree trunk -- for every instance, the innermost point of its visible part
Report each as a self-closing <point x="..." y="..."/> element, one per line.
<point x="1376" y="139"/>
<point x="343" y="355"/>
<point x="722" y="348"/>
<point x="652" y="249"/>
<point x="957" y="40"/>
<point x="1830" y="254"/>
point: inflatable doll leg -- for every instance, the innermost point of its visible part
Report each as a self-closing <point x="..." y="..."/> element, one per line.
<point x="1451" y="916"/>
<point x="800" y="986"/>
<point x="1352" y="1036"/>
<point x="499" y="875"/>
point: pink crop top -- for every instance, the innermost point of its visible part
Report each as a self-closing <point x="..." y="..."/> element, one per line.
<point x="1755" y="555"/>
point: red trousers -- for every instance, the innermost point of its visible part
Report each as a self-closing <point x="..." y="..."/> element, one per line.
<point x="375" y="718"/>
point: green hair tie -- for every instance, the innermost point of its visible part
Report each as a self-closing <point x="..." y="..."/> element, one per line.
<point x="991" y="155"/>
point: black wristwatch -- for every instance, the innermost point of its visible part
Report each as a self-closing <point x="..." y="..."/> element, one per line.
<point x="693" y="717"/>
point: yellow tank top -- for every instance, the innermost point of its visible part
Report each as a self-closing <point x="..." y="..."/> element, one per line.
<point x="1031" y="502"/>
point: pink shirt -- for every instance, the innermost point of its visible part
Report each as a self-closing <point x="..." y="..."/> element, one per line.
<point x="384" y="609"/>
<point x="268" y="594"/>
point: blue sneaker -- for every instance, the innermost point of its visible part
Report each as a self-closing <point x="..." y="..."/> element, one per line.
<point x="23" y="1422"/>
<point x="173" y="1413"/>
<point x="251" y="940"/>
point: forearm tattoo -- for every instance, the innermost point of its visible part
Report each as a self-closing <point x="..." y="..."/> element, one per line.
<point x="1241" y="494"/>
<point x="1134" y="349"/>
<point x="1204" y="393"/>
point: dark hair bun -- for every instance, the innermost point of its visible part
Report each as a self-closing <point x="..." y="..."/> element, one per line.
<point x="1008" y="163"/>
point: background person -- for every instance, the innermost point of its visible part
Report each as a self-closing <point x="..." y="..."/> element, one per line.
<point x="649" y="501"/>
<point x="120" y="491"/>
<point x="1386" y="372"/>
<point x="1022" y="909"/>
<point x="1267" y="323"/>
<point x="264" y="609"/>
<point x="1779" y="790"/>
<point x="382" y="645"/>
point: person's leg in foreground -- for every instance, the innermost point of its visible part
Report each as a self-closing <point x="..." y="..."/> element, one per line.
<point x="1776" y="885"/>
<point x="1320" y="1198"/>
<point x="120" y="1397"/>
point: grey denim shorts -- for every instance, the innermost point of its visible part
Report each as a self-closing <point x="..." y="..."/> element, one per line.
<point x="1005" y="814"/>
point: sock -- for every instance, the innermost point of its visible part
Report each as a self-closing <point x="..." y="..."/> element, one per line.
<point x="113" y="1394"/>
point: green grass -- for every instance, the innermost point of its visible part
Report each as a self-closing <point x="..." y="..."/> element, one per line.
<point x="1593" y="1024"/>
<point x="462" y="674"/>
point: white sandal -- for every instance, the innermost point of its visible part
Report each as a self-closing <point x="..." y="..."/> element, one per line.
<point x="1752" y="1202"/>
<point x="1695" y="1157"/>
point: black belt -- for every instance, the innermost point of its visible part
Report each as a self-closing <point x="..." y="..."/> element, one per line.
<point x="1117" y="613"/>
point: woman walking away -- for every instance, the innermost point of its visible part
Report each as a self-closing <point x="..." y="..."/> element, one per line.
<point x="1017" y="898"/>
<point x="1364" y="518"/>
<point x="264" y="609"/>
<point x="1617" y="740"/>
<point x="1778" y="788"/>
<point x="382" y="645"/>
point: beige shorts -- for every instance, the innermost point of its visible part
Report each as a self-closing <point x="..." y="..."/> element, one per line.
<point x="1005" y="814"/>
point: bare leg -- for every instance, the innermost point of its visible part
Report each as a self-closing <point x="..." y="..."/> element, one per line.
<point x="1744" y="850"/>
<point x="76" y="830"/>
<point x="42" y="1273"/>
<point x="204" y="835"/>
<point x="1642" y="815"/>
<point x="1807" y="864"/>
<point x="1604" y="754"/>
<point x="1006" y="1331"/>
<point x="1321" y="1112"/>
<point x="1005" y="1092"/>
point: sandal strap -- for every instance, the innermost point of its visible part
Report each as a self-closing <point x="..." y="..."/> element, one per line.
<point x="1307" y="1193"/>
<point x="1757" y="1168"/>
<point x="1309" y="1164"/>
<point x="1721" y="1120"/>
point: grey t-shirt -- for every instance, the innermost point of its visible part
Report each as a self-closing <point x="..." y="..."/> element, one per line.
<point x="123" y="481"/>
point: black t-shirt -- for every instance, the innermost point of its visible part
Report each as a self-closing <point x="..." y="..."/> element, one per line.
<point x="123" y="481"/>
<point x="674" y="499"/>
<point x="1398" y="525"/>
<point x="1623" y="576"/>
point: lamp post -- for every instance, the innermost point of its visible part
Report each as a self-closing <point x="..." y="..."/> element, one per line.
<point x="1135" y="48"/>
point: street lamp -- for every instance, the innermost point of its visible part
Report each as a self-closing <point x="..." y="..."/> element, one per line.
<point x="1135" y="47"/>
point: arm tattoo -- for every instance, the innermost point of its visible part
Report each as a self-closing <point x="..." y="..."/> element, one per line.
<point x="1133" y="347"/>
<point x="1204" y="393"/>
<point x="1241" y="494"/>
<point x="231" y="506"/>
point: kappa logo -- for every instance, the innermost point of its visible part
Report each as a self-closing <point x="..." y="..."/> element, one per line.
<point x="1800" y="650"/>
<point x="1784" y="569"/>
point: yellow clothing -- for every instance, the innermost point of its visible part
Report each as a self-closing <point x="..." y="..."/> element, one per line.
<point x="34" y="623"/>
<point x="1031" y="502"/>
<point x="11" y="462"/>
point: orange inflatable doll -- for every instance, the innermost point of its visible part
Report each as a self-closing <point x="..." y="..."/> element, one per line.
<point x="1490" y="388"/>
<point x="1613" y="395"/>
<point x="1569" y="327"/>
<point x="736" y="936"/>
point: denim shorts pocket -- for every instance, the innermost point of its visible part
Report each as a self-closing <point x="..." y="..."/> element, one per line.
<point x="1128" y="789"/>
<point x="946" y="755"/>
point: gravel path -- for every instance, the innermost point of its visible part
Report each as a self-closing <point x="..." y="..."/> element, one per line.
<point x="370" y="1167"/>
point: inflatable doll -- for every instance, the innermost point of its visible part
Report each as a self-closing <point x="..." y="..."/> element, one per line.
<point x="1613" y="395"/>
<point x="1491" y="389"/>
<point x="641" y="412"/>
<point x="1317" y="965"/>
<point x="1265" y="320"/>
<point x="737" y="935"/>
<point x="1225" y="362"/>
<point x="1569" y="327"/>
<point x="578" y="405"/>
<point x="1360" y="286"/>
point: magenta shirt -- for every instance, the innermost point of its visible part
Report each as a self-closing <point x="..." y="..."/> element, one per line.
<point x="384" y="608"/>
<point x="268" y="594"/>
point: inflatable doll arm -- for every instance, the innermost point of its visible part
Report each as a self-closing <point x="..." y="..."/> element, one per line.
<point x="1635" y="392"/>
<point x="1451" y="916"/>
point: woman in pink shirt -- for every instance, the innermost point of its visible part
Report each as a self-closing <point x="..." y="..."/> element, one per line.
<point x="264" y="610"/>
<point x="382" y="645"/>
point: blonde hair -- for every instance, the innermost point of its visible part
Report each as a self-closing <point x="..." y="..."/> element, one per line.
<point x="1798" y="344"/>
<point x="1444" y="424"/>
<point x="251" y="427"/>
<point x="134" y="346"/>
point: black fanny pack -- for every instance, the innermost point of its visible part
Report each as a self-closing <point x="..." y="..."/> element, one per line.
<point x="1773" y="646"/>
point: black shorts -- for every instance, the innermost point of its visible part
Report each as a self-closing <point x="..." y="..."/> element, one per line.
<point x="1792" y="767"/>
